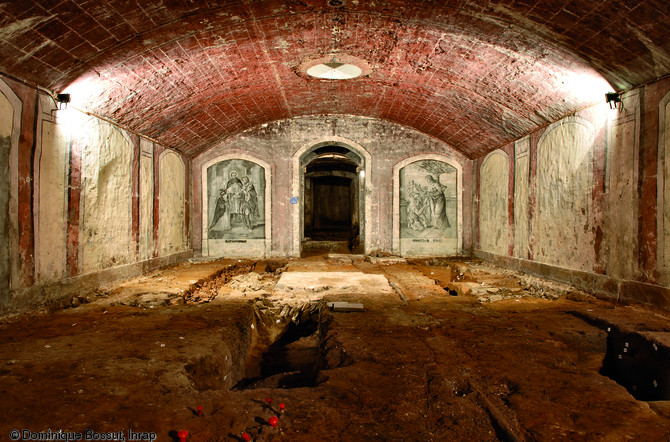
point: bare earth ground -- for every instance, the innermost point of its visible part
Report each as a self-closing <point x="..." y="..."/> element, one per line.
<point x="450" y="349"/>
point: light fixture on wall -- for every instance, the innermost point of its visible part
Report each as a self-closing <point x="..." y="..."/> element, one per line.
<point x="614" y="100"/>
<point x="62" y="100"/>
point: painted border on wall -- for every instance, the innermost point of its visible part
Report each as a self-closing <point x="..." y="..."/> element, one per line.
<point x="396" y="196"/>
<point x="204" y="251"/>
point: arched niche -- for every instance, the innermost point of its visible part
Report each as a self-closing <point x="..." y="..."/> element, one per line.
<point x="493" y="197"/>
<point x="427" y="206"/>
<point x="172" y="204"/>
<point x="562" y="231"/>
<point x="236" y="206"/>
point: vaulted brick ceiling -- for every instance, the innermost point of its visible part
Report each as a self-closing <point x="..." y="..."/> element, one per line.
<point x="474" y="73"/>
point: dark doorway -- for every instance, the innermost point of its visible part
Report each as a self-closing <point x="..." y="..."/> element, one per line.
<point x="331" y="192"/>
<point x="332" y="207"/>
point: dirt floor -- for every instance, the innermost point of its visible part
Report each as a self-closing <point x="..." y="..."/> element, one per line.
<point x="443" y="349"/>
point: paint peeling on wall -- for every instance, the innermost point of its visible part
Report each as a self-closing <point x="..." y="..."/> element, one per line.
<point x="107" y="197"/>
<point x="562" y="228"/>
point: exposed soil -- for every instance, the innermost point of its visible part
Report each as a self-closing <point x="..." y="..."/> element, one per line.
<point x="459" y="350"/>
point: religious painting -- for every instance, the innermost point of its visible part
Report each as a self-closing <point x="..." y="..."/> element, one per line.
<point x="236" y="200"/>
<point x="428" y="201"/>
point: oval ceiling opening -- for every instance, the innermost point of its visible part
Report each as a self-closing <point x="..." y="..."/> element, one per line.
<point x="334" y="70"/>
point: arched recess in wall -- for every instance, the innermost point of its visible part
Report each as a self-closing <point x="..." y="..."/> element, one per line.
<point x="493" y="203"/>
<point x="427" y="206"/>
<point x="171" y="204"/>
<point x="10" y="130"/>
<point x="106" y="195"/>
<point x="663" y="186"/>
<point x="562" y="232"/>
<point x="300" y="159"/>
<point x="236" y="206"/>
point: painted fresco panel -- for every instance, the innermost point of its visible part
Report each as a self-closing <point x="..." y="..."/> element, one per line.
<point x="428" y="208"/>
<point x="236" y="200"/>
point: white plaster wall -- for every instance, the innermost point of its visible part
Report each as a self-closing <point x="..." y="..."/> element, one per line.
<point x="621" y="229"/>
<point x="562" y="229"/>
<point x="171" y="218"/>
<point x="146" y="234"/>
<point x="521" y="183"/>
<point x="105" y="227"/>
<point x="493" y="192"/>
<point x="52" y="215"/>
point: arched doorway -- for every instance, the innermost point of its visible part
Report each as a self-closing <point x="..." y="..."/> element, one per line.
<point x="331" y="183"/>
<point x="332" y="196"/>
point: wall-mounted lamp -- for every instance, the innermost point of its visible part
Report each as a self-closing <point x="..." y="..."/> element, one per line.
<point x="62" y="100"/>
<point x="614" y="100"/>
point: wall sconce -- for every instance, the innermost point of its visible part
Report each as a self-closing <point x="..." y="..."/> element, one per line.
<point x="614" y="100"/>
<point x="62" y="100"/>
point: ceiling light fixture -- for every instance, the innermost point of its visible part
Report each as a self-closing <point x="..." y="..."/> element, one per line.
<point x="62" y="100"/>
<point x="614" y="100"/>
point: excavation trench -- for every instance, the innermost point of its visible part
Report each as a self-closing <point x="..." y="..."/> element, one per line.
<point x="638" y="361"/>
<point x="639" y="364"/>
<point x="282" y="346"/>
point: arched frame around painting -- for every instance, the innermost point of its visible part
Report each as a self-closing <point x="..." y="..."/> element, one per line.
<point x="236" y="206"/>
<point x="427" y="206"/>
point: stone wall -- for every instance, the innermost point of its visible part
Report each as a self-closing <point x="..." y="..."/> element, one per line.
<point x="282" y="144"/>
<point x="77" y="200"/>
<point x="590" y="200"/>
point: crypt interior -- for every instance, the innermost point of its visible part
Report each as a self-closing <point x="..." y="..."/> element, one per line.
<point x="335" y="220"/>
